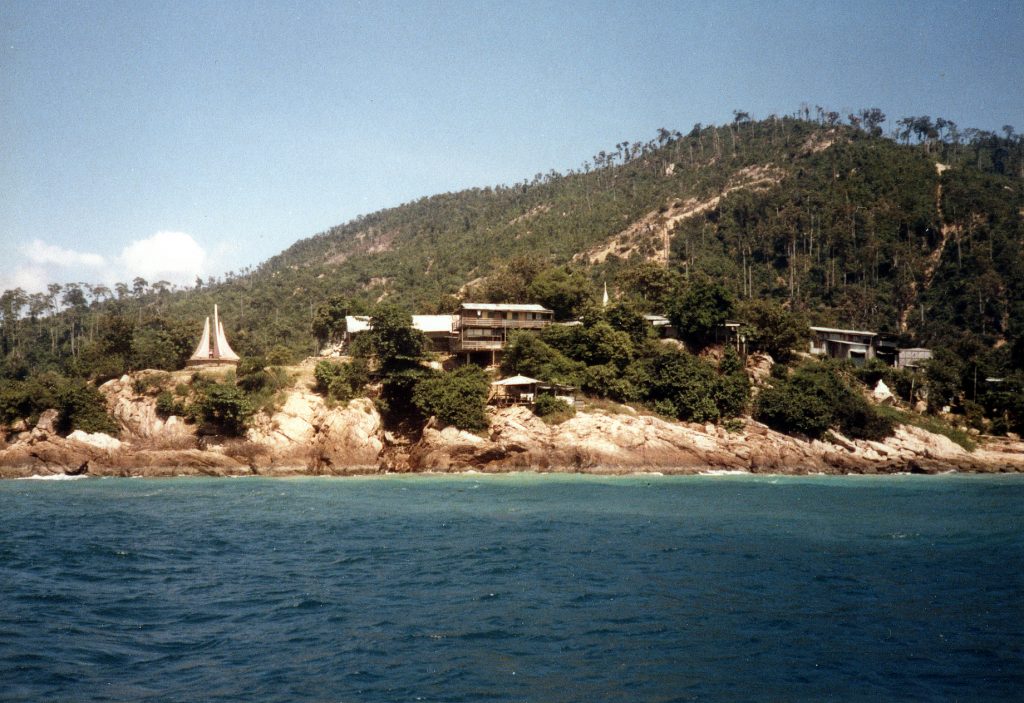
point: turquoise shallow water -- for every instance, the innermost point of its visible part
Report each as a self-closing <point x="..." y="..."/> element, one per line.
<point x="513" y="588"/>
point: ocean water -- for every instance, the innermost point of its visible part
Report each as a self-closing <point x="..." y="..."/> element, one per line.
<point x="513" y="588"/>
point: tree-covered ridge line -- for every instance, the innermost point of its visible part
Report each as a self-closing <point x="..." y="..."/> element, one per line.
<point x="857" y="230"/>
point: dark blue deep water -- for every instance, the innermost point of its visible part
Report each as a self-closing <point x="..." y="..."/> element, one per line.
<point x="513" y="588"/>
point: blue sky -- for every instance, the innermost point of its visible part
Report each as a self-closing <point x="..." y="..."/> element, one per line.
<point x="173" y="139"/>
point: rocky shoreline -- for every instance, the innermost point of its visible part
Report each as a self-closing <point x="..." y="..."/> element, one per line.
<point x="306" y="437"/>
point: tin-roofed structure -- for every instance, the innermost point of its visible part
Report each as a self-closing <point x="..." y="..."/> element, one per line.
<point x="856" y="345"/>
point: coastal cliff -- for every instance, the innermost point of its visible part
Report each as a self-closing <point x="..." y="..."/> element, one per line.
<point x="305" y="436"/>
<point x="600" y="442"/>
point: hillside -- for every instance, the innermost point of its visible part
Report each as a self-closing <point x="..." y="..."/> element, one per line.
<point x="919" y="235"/>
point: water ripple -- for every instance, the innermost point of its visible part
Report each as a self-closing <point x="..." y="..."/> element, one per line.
<point x="512" y="588"/>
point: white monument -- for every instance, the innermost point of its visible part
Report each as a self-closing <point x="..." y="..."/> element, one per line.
<point x="213" y="349"/>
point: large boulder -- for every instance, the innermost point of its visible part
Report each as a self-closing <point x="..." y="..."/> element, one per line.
<point x="99" y="440"/>
<point x="882" y="395"/>
<point x="304" y="431"/>
<point x="136" y="414"/>
<point x="759" y="367"/>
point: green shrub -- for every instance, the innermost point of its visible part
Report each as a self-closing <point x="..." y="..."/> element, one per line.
<point x="794" y="408"/>
<point x="730" y="362"/>
<point x="701" y="308"/>
<point x="79" y="404"/>
<point x="974" y="414"/>
<point x="83" y="407"/>
<point x="222" y="408"/>
<point x="692" y="386"/>
<point x="596" y="380"/>
<point x="561" y="289"/>
<point x="733" y="425"/>
<point x="553" y="410"/>
<point x="731" y="393"/>
<point x="17" y="402"/>
<point x="324" y="372"/>
<point x="250" y="365"/>
<point x="666" y="408"/>
<point x="529" y="355"/>
<point x="395" y="341"/>
<point x="280" y="356"/>
<point x="396" y="392"/>
<point x="167" y="405"/>
<point x="456" y="398"/>
<point x="263" y="380"/>
<point x="773" y="329"/>
<point x="341" y="382"/>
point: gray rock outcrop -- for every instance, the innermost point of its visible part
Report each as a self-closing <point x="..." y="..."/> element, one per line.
<point x="309" y="436"/>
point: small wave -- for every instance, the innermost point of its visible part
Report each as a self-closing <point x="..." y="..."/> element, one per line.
<point x="51" y="477"/>
<point x="724" y="472"/>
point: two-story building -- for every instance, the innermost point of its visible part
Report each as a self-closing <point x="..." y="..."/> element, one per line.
<point x="482" y="329"/>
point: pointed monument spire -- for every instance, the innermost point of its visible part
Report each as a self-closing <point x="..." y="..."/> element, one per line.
<point x="216" y="334"/>
<point x="213" y="347"/>
<point x="226" y="352"/>
<point x="202" y="352"/>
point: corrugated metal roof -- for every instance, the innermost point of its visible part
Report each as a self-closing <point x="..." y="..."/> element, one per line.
<point x="357" y="323"/>
<point x="434" y="323"/>
<point x="424" y="323"/>
<point x="838" y="331"/>
<point x="506" y="307"/>
<point x="516" y="381"/>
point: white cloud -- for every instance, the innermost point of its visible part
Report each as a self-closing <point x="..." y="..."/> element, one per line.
<point x="170" y="256"/>
<point x="39" y="252"/>
<point x="32" y="279"/>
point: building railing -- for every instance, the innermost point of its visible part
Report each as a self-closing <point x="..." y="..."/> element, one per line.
<point x="459" y="345"/>
<point x="502" y="324"/>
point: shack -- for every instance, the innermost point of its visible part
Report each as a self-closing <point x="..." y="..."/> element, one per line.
<point x="913" y="358"/>
<point x="857" y="346"/>
<point x="517" y="390"/>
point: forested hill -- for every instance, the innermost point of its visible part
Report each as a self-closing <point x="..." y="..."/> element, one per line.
<point x="918" y="233"/>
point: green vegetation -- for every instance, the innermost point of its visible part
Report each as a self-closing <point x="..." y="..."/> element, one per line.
<point x="607" y="362"/>
<point x="561" y="289"/>
<point x="701" y="309"/>
<point x="394" y="340"/>
<point x="817" y="397"/>
<point x="342" y="382"/>
<point x="221" y="408"/>
<point x="167" y="404"/>
<point x="329" y="321"/>
<point x="80" y="405"/>
<point x="457" y="398"/>
<point x="771" y="328"/>
<point x="553" y="410"/>
<point x="794" y="218"/>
